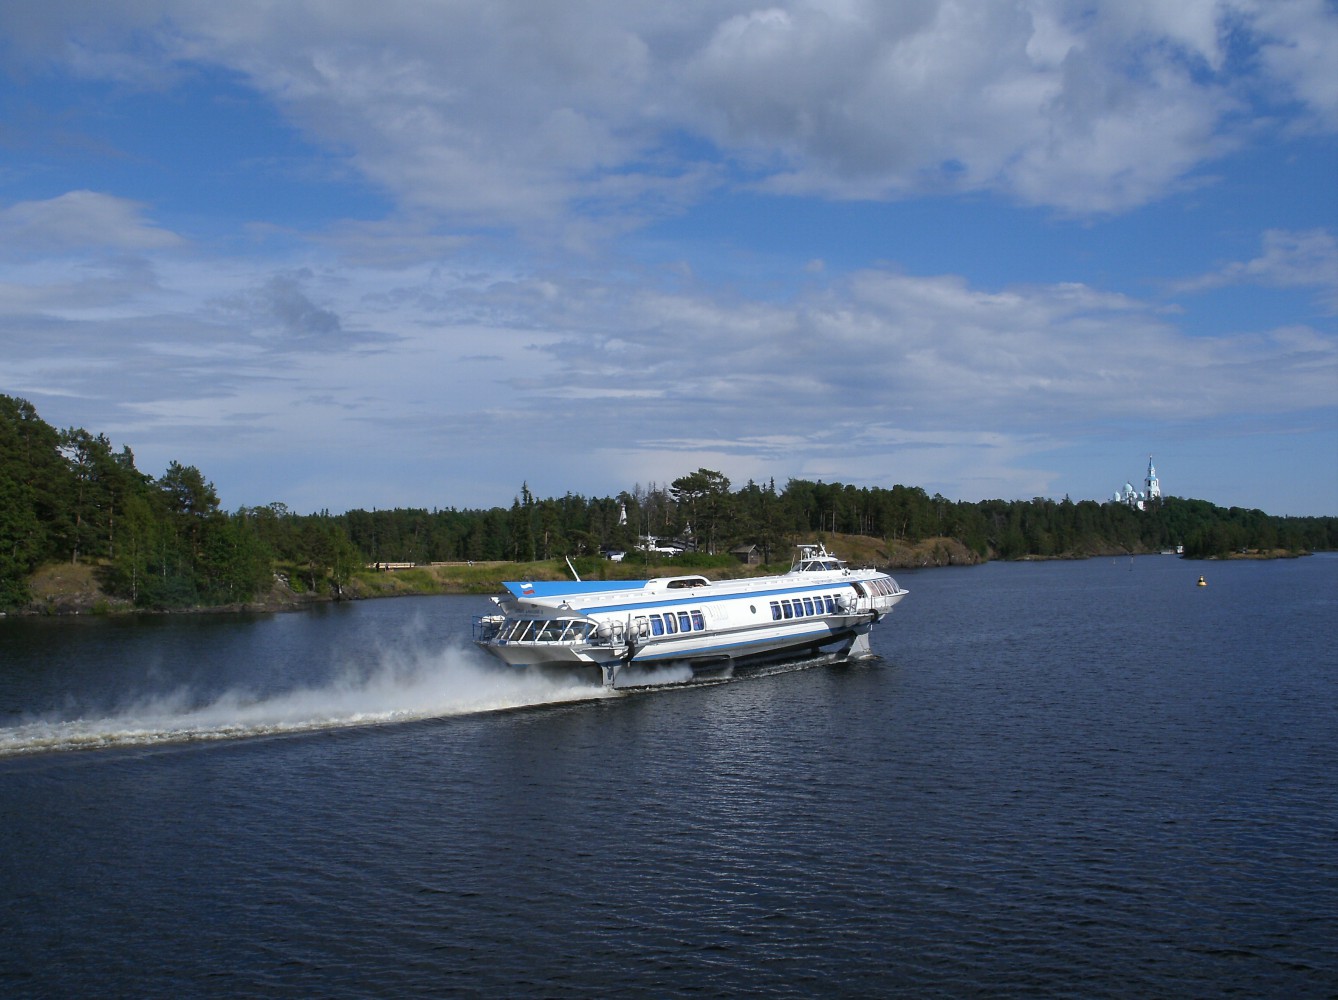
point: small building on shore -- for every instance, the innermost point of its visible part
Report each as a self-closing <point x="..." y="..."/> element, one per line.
<point x="749" y="555"/>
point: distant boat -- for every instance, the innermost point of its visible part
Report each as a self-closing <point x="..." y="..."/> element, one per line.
<point x="819" y="606"/>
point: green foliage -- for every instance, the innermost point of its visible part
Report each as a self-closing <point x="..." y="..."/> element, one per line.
<point x="20" y="539"/>
<point x="591" y="567"/>
<point x="234" y="564"/>
<point x="705" y="501"/>
<point x="701" y="560"/>
<point x="33" y="478"/>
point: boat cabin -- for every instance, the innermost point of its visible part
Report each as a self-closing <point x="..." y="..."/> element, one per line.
<point x="815" y="559"/>
<point x="662" y="583"/>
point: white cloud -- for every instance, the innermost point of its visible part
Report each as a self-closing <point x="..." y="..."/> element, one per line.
<point x="78" y="221"/>
<point x="509" y="113"/>
<point x="1300" y="50"/>
<point x="1287" y="259"/>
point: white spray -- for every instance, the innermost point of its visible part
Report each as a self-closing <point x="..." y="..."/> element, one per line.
<point x="400" y="688"/>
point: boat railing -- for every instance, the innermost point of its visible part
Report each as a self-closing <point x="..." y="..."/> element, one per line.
<point x="532" y="631"/>
<point x="484" y="628"/>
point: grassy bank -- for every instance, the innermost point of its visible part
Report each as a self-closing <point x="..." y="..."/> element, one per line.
<point x="487" y="577"/>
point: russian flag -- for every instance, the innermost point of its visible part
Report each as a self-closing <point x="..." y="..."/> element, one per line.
<point x="527" y="589"/>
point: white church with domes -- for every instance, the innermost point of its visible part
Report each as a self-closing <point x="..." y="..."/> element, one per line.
<point x="1150" y="495"/>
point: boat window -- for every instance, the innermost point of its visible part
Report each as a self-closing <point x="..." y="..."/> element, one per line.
<point x="656" y="625"/>
<point x="520" y="630"/>
<point x="684" y="622"/>
<point x="670" y="625"/>
<point x="775" y="611"/>
<point x="576" y="631"/>
<point x="831" y="604"/>
<point x="698" y="622"/>
<point x="808" y="605"/>
<point x="785" y="607"/>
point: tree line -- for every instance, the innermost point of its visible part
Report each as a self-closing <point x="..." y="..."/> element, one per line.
<point x="703" y="512"/>
<point x="69" y="496"/>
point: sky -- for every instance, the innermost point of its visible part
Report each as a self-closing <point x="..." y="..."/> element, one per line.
<point x="345" y="255"/>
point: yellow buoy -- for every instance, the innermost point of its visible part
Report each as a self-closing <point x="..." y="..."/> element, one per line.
<point x="1202" y="582"/>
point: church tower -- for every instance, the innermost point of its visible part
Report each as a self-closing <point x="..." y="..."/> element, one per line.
<point x="1153" y="490"/>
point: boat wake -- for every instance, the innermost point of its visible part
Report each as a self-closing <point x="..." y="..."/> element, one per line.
<point x="416" y="687"/>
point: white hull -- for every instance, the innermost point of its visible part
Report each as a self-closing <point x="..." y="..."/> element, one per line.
<point x="818" y="607"/>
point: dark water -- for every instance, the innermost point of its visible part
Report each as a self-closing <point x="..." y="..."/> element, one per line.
<point x="1086" y="780"/>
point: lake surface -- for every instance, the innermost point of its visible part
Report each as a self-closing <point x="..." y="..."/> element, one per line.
<point x="1083" y="779"/>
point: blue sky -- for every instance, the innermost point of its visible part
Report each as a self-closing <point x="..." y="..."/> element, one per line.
<point x="344" y="255"/>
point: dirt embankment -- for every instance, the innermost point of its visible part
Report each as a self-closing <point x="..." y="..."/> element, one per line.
<point x="70" y="589"/>
<point x="931" y="552"/>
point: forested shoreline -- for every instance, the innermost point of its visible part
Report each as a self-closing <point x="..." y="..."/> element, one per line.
<point x="67" y="496"/>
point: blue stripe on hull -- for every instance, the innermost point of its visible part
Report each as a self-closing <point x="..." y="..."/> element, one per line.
<point x="699" y="598"/>
<point x="775" y="643"/>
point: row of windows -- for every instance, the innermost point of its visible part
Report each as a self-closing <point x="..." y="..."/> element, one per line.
<point x="558" y="630"/>
<point x="683" y="621"/>
<point x="802" y="607"/>
<point x="883" y="585"/>
<point x="570" y="630"/>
